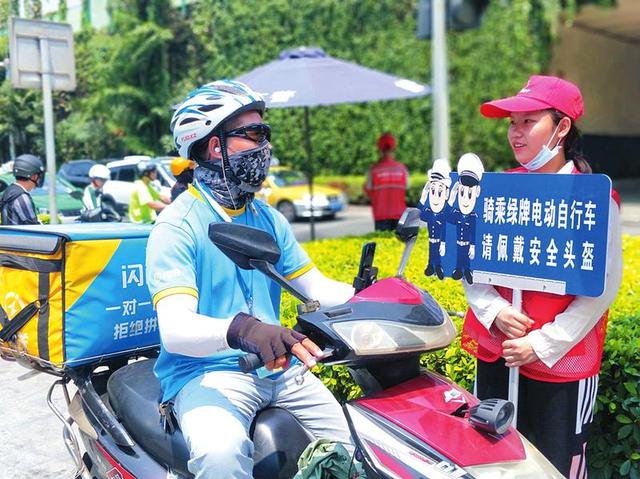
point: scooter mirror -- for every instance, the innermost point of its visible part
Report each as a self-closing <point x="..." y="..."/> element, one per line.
<point x="76" y="194"/>
<point x="492" y="415"/>
<point x="242" y="243"/>
<point x="408" y="224"/>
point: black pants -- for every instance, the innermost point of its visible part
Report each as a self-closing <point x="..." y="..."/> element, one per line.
<point x="555" y="417"/>
<point x="386" y="225"/>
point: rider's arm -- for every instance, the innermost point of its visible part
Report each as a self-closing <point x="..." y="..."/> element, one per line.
<point x="555" y="339"/>
<point x="24" y="211"/>
<point x="156" y="205"/>
<point x="184" y="331"/>
<point x="87" y="200"/>
<point x="148" y="196"/>
<point x="327" y="291"/>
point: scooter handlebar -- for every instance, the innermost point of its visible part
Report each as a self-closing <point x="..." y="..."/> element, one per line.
<point x="249" y="362"/>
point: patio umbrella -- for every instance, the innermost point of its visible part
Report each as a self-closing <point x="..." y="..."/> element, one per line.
<point x="307" y="77"/>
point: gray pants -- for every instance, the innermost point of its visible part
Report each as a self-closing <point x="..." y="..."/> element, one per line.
<point x="215" y="412"/>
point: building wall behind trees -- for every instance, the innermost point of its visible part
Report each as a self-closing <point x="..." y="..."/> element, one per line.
<point x="608" y="71"/>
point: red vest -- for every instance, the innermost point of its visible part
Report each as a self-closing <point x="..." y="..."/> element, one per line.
<point x="386" y="189"/>
<point x="582" y="361"/>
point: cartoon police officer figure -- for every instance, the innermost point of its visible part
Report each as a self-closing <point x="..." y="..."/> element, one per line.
<point x="467" y="191"/>
<point x="434" y="210"/>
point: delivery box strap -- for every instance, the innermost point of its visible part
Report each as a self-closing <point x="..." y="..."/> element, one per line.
<point x="39" y="306"/>
<point x="4" y="318"/>
<point x="20" y="319"/>
<point x="31" y="264"/>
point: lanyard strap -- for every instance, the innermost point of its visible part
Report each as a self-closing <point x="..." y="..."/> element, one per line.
<point x="210" y="201"/>
<point x="216" y="208"/>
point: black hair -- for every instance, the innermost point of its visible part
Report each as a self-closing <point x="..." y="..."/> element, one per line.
<point x="573" y="144"/>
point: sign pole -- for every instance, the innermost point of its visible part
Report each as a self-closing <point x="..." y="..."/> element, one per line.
<point x="514" y="373"/>
<point x="440" y="82"/>
<point x="47" y="105"/>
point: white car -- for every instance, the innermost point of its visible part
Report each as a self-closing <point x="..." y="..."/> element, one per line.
<point x="124" y="172"/>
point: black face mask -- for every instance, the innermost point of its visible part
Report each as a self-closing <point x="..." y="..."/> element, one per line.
<point x="248" y="169"/>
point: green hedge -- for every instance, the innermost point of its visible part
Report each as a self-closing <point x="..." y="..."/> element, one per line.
<point x="614" y="449"/>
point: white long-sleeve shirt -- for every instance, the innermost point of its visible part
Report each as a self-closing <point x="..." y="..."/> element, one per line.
<point x="556" y="338"/>
<point x="186" y="332"/>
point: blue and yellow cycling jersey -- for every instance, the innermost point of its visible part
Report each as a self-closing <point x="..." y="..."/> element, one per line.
<point x="182" y="259"/>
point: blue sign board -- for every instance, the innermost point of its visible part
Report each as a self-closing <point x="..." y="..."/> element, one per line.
<point x="537" y="232"/>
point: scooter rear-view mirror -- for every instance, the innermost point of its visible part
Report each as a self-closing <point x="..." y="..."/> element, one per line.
<point x="76" y="194"/>
<point x="242" y="243"/>
<point x="253" y="248"/>
<point x="408" y="224"/>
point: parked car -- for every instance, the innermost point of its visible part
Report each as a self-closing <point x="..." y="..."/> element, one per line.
<point x="68" y="197"/>
<point x="288" y="191"/>
<point x="76" y="172"/>
<point x="125" y="171"/>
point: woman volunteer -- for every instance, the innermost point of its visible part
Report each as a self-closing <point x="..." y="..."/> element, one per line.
<point x="556" y="340"/>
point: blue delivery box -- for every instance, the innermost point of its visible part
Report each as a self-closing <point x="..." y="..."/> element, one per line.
<point x="74" y="294"/>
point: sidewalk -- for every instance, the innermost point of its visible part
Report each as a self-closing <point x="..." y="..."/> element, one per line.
<point x="629" y="189"/>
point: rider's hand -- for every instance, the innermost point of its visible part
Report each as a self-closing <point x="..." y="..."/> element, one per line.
<point x="513" y="323"/>
<point x="518" y="352"/>
<point x="272" y="343"/>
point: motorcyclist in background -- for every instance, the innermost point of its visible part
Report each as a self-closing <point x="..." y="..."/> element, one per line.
<point x="16" y="204"/>
<point x="182" y="169"/>
<point x="92" y="197"/>
<point x="146" y="202"/>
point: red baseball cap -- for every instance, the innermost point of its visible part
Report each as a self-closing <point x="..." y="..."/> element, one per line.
<point x="386" y="142"/>
<point x="540" y="93"/>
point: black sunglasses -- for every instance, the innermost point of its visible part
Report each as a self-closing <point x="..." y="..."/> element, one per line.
<point x="257" y="132"/>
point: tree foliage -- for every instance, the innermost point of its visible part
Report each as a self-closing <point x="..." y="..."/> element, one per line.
<point x="130" y="75"/>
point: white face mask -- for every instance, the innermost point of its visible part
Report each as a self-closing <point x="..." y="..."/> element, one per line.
<point x="545" y="155"/>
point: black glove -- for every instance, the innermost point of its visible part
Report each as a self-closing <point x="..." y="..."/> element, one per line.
<point x="266" y="340"/>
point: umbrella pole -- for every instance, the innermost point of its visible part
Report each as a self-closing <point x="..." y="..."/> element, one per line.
<point x="307" y="144"/>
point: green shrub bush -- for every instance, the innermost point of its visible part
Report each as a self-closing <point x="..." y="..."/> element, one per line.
<point x="614" y="449"/>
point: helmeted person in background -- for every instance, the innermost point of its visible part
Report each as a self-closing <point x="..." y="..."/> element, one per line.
<point x="434" y="209"/>
<point x="211" y="312"/>
<point x="16" y="204"/>
<point x="386" y="186"/>
<point x="146" y="202"/>
<point x="466" y="191"/>
<point x="98" y="176"/>
<point x="557" y="340"/>
<point x="182" y="170"/>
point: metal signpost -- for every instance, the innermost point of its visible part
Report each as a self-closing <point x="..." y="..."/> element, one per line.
<point x="42" y="56"/>
<point x="532" y="232"/>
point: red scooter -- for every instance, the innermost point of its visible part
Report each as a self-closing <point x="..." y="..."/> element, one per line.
<point x="410" y="423"/>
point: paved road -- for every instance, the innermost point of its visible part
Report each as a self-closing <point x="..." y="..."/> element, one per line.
<point x="31" y="437"/>
<point x="355" y="220"/>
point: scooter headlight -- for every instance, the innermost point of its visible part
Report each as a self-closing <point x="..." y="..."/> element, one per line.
<point x="370" y="337"/>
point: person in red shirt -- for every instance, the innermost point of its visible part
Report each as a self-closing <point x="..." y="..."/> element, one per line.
<point x="386" y="186"/>
<point x="556" y="340"/>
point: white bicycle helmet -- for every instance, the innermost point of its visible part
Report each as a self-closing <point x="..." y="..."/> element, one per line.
<point x="207" y="108"/>
<point x="100" y="172"/>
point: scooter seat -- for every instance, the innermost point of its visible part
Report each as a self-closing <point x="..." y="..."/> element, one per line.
<point x="134" y="393"/>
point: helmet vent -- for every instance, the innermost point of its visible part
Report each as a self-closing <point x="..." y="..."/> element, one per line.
<point x="207" y="108"/>
<point x="188" y="120"/>
<point x="230" y="89"/>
